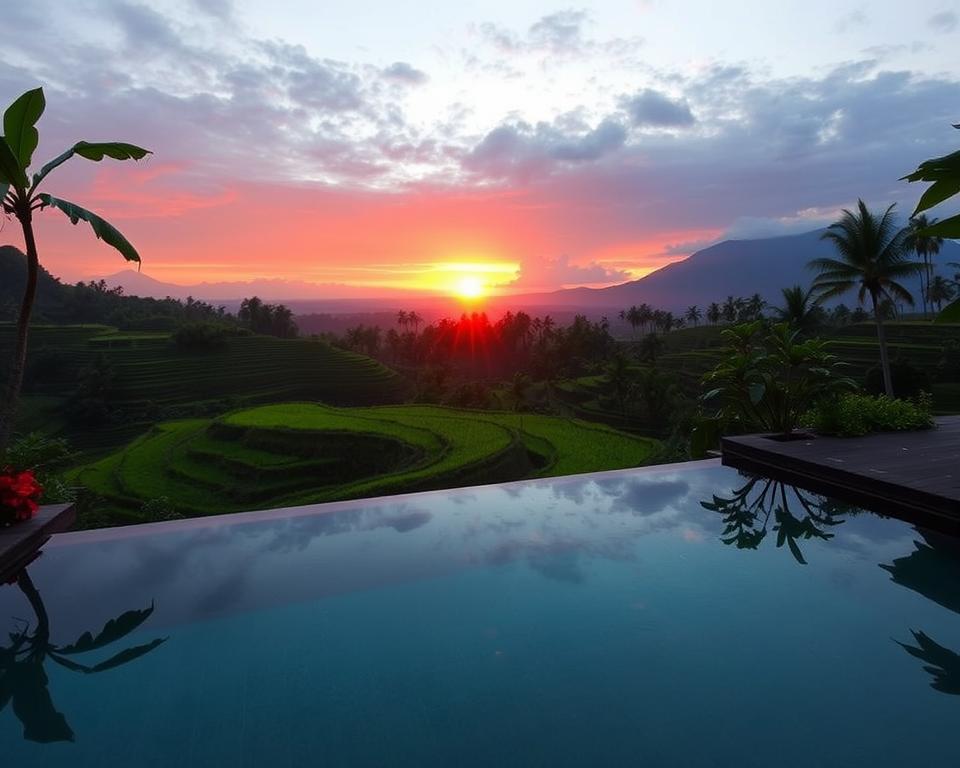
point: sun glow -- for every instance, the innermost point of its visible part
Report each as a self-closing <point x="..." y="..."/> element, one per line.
<point x="470" y="287"/>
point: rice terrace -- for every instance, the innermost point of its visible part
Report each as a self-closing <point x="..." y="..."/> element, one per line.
<point x="300" y="453"/>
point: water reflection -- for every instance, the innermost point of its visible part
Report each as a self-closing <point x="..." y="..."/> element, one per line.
<point x="797" y="514"/>
<point x="23" y="679"/>
<point x="932" y="570"/>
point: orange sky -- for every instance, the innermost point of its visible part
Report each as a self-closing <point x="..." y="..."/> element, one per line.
<point x="423" y="238"/>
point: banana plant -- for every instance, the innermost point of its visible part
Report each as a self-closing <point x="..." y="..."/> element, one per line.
<point x="21" y="197"/>
<point x="23" y="680"/>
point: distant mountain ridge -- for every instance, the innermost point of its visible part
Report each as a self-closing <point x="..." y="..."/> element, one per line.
<point x="729" y="268"/>
<point x="140" y="284"/>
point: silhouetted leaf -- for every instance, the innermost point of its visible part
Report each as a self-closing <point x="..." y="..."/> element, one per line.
<point x="937" y="193"/>
<point x="113" y="630"/>
<point x="128" y="655"/>
<point x="103" y="229"/>
<point x="19" y="123"/>
<point x="948" y="228"/>
<point x="73" y="666"/>
<point x="117" y="150"/>
<point x="10" y="170"/>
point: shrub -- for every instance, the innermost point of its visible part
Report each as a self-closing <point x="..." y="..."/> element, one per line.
<point x="200" y="337"/>
<point x="854" y="414"/>
<point x="908" y="380"/>
<point x="769" y="377"/>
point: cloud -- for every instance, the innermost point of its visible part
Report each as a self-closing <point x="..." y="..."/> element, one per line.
<point x="945" y="21"/>
<point x="519" y="150"/>
<point x="855" y="19"/>
<point x="655" y="109"/>
<point x="402" y="72"/>
<point x="549" y="272"/>
<point x="560" y="33"/>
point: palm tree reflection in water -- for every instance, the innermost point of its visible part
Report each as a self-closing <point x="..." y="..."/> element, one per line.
<point x="23" y="679"/>
<point x="747" y="510"/>
<point x="931" y="570"/>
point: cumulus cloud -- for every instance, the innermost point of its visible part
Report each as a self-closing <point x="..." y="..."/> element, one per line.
<point x="519" y="150"/>
<point x="945" y="21"/>
<point x="407" y="74"/>
<point x="655" y="109"/>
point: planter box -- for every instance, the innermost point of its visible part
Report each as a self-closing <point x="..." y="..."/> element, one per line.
<point x="19" y="543"/>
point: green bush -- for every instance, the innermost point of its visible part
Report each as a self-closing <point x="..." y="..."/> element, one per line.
<point x="200" y="337"/>
<point x="855" y="414"/>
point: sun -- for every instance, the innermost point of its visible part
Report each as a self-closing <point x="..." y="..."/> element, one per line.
<point x="470" y="287"/>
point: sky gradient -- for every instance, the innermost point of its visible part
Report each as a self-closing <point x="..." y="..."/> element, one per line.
<point x="403" y="145"/>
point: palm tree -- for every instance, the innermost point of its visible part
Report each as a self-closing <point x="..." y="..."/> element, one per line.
<point x="729" y="309"/>
<point x="402" y="319"/>
<point x="926" y="246"/>
<point x="714" y="313"/>
<point x="939" y="290"/>
<point x="799" y="309"/>
<point x="755" y="306"/>
<point x="872" y="258"/>
<point x="414" y="319"/>
<point x="518" y="393"/>
<point x="693" y="314"/>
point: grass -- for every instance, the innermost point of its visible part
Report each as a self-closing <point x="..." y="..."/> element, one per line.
<point x="297" y="453"/>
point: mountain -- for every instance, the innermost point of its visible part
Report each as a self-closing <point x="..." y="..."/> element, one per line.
<point x="139" y="284"/>
<point x="51" y="293"/>
<point x="730" y="268"/>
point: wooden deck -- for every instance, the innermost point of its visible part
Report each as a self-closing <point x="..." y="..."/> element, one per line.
<point x="911" y="475"/>
<point x="20" y="543"/>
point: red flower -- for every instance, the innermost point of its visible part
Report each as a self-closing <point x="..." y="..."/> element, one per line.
<point x="19" y="493"/>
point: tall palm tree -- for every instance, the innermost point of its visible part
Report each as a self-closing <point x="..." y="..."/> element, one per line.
<point x="939" y="290"/>
<point x="799" y="309"/>
<point x="729" y="309"/>
<point x="926" y="246"/>
<point x="872" y="258"/>
<point x="714" y="313"/>
<point x="693" y="314"/>
<point x="402" y="318"/>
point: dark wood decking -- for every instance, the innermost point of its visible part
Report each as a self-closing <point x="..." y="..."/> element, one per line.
<point x="19" y="543"/>
<point x="911" y="475"/>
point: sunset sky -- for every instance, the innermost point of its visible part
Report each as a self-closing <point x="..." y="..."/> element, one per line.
<point x="525" y="144"/>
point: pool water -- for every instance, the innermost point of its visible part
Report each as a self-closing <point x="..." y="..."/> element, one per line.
<point x="627" y="618"/>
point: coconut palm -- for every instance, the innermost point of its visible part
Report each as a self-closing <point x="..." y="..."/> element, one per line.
<point x="693" y="314"/>
<point x="939" y="290"/>
<point x="799" y="309"/>
<point x="871" y="258"/>
<point x="714" y="313"/>
<point x="926" y="246"/>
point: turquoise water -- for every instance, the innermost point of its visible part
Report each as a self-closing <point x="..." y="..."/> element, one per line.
<point x="588" y="621"/>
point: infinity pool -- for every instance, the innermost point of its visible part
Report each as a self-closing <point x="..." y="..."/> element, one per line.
<point x="676" y="616"/>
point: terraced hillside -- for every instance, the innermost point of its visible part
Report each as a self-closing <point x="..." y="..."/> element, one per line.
<point x="149" y="376"/>
<point x="296" y="453"/>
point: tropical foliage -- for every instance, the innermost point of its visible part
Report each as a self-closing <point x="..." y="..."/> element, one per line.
<point x="769" y="377"/>
<point x="872" y="259"/>
<point x="853" y="414"/>
<point x="21" y="198"/>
